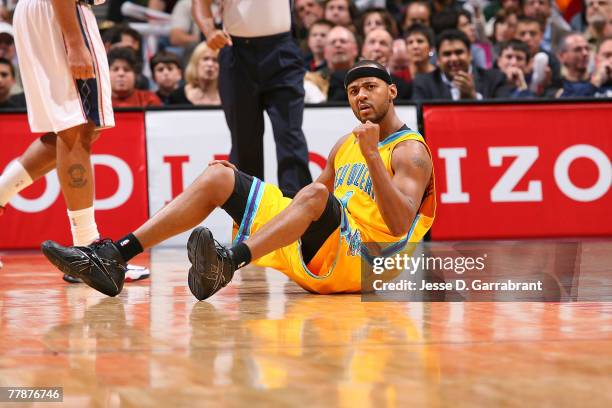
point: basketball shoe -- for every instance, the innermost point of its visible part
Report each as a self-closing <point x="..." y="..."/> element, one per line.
<point x="133" y="273"/>
<point x="99" y="265"/>
<point x="212" y="267"/>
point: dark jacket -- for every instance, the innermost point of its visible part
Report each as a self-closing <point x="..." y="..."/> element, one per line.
<point x="489" y="83"/>
<point x="14" y="101"/>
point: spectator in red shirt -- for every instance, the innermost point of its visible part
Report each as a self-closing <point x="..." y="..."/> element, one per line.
<point x="122" y="62"/>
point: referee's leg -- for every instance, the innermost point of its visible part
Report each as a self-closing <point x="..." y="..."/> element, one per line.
<point x="243" y="111"/>
<point x="284" y="102"/>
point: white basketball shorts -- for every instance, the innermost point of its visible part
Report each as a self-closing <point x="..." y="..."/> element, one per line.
<point x="55" y="100"/>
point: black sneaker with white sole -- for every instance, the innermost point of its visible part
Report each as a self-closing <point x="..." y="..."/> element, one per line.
<point x="99" y="265"/>
<point x="212" y="267"/>
<point x="133" y="273"/>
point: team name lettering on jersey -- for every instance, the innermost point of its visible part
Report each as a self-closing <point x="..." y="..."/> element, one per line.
<point x="357" y="175"/>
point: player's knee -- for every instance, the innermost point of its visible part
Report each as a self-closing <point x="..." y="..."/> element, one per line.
<point x="314" y="198"/>
<point x="218" y="180"/>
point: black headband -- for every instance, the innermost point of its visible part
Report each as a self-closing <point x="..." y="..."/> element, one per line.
<point x="366" y="71"/>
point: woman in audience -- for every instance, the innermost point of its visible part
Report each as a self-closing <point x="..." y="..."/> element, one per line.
<point x="419" y="45"/>
<point x="201" y="79"/>
<point x="504" y="29"/>
<point x="377" y="18"/>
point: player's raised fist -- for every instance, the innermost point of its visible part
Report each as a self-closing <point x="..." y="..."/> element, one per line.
<point x="368" y="136"/>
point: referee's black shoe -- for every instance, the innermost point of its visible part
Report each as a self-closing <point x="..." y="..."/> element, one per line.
<point x="212" y="267"/>
<point x="99" y="265"/>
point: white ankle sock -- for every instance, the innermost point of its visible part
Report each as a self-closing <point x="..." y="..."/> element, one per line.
<point x="14" y="179"/>
<point x="83" y="226"/>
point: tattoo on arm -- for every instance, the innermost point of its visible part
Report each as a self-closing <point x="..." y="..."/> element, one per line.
<point x="420" y="162"/>
<point x="77" y="175"/>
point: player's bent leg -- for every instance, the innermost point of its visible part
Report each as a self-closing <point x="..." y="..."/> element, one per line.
<point x="209" y="191"/>
<point x="102" y="265"/>
<point x="213" y="266"/>
<point x="37" y="160"/>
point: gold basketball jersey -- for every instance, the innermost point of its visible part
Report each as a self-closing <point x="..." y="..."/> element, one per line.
<point x="353" y="188"/>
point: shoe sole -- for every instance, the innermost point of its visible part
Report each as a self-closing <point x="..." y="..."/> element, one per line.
<point x="198" y="251"/>
<point x="141" y="277"/>
<point x="71" y="279"/>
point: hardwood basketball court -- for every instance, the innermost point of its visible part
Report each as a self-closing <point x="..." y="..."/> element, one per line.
<point x="263" y="341"/>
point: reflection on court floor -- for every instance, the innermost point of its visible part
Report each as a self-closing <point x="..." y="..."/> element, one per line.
<point x="263" y="341"/>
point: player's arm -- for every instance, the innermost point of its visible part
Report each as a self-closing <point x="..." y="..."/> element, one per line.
<point x="328" y="174"/>
<point x="398" y="197"/>
<point x="79" y="58"/>
<point x="202" y="14"/>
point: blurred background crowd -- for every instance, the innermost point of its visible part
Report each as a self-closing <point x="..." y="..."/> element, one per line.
<point x="435" y="50"/>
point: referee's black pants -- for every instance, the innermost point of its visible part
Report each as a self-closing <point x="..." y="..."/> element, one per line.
<point x="265" y="73"/>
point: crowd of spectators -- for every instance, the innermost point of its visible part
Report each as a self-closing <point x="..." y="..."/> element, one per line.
<point x="434" y="49"/>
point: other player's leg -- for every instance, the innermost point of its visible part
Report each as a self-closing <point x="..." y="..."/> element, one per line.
<point x="102" y="265"/>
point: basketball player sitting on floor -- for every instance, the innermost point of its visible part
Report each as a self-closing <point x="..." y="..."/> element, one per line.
<point x="377" y="186"/>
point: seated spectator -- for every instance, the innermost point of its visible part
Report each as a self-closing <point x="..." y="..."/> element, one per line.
<point x="574" y="54"/>
<point x="444" y="20"/>
<point x="504" y="29"/>
<point x="419" y="43"/>
<point x="7" y="50"/>
<point x="7" y="80"/>
<point x="184" y="32"/>
<point x="399" y="63"/>
<point x="456" y="78"/>
<point x="417" y="12"/>
<point x="602" y="77"/>
<point x="377" y="18"/>
<point x="122" y="35"/>
<point x="598" y="12"/>
<point x="377" y="47"/>
<point x="481" y="47"/>
<point x="201" y="79"/>
<point x="125" y="36"/>
<point x="122" y="62"/>
<point x="341" y="12"/>
<point x="340" y="54"/>
<point x="308" y="12"/>
<point x="494" y="7"/>
<point x="315" y="59"/>
<point x="530" y="31"/>
<point x="167" y="74"/>
<point x="554" y="26"/>
<point x="513" y="62"/>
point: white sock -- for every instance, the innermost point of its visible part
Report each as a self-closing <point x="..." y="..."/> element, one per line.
<point x="14" y="179"/>
<point x="83" y="226"/>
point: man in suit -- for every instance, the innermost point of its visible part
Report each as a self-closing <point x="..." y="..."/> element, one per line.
<point x="456" y="78"/>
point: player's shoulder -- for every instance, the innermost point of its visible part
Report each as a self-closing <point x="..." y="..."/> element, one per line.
<point x="341" y="141"/>
<point x="411" y="152"/>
